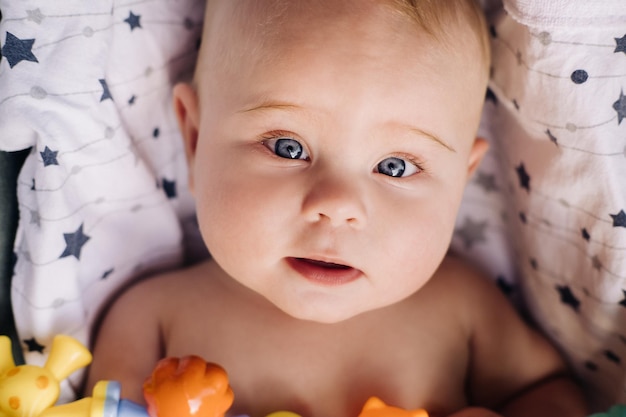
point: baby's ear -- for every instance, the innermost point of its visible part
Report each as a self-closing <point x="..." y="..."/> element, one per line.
<point x="187" y="114"/>
<point x="479" y="148"/>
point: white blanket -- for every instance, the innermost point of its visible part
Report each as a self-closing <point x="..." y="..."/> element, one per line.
<point x="103" y="194"/>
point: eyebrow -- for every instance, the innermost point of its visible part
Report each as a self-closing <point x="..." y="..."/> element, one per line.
<point x="271" y="105"/>
<point x="277" y="105"/>
<point x="430" y="136"/>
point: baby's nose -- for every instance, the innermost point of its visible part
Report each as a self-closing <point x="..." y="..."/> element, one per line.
<point x="335" y="200"/>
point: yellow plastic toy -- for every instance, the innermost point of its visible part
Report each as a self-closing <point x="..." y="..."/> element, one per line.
<point x="31" y="391"/>
<point x="283" y="414"/>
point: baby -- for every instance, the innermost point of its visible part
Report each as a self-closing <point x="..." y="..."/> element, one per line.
<point x="329" y="143"/>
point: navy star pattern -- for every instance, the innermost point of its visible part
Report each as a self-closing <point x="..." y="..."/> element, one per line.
<point x="16" y="50"/>
<point x="33" y="346"/>
<point x="133" y="21"/>
<point x="568" y="298"/>
<point x="169" y="187"/>
<point x="619" y="219"/>
<point x="472" y="232"/>
<point x="596" y="263"/>
<point x="610" y="355"/>
<point x="524" y="178"/>
<point x="585" y="234"/>
<point x="74" y="243"/>
<point x="106" y="93"/>
<point x="620" y="107"/>
<point x="522" y="217"/>
<point x="620" y="44"/>
<point x="106" y="273"/>
<point x="49" y="157"/>
<point x="487" y="181"/>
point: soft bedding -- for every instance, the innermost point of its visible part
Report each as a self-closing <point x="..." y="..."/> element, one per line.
<point x="103" y="199"/>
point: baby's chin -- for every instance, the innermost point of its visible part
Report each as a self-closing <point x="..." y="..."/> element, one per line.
<point x="322" y="317"/>
<point x="329" y="313"/>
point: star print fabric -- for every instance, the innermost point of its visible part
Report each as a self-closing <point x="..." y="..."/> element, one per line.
<point x="545" y="213"/>
<point x="102" y="195"/>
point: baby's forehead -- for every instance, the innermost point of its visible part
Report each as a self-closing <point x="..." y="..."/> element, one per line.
<point x="262" y="23"/>
<point x="457" y="26"/>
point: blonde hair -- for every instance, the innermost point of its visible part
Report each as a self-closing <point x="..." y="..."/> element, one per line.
<point x="435" y="16"/>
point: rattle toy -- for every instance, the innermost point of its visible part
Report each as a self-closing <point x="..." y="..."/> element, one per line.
<point x="186" y="387"/>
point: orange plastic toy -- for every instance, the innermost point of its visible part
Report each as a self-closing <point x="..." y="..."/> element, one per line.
<point x="375" y="407"/>
<point x="187" y="387"/>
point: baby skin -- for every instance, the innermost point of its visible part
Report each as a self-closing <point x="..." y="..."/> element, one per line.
<point x="329" y="143"/>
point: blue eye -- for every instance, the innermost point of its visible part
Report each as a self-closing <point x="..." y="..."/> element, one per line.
<point x="287" y="148"/>
<point x="396" y="167"/>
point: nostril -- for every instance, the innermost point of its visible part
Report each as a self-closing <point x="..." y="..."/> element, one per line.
<point x="336" y="221"/>
<point x="335" y="201"/>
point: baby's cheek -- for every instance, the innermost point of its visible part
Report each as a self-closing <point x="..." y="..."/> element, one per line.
<point x="233" y="228"/>
<point x="422" y="246"/>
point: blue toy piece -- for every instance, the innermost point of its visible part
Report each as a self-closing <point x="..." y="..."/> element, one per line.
<point x="112" y="405"/>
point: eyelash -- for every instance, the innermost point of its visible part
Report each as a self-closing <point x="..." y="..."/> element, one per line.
<point x="276" y="134"/>
<point x="412" y="159"/>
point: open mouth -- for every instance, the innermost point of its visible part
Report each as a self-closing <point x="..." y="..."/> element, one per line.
<point x="325" y="273"/>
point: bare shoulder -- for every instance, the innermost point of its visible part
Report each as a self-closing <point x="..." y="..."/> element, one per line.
<point x="507" y="355"/>
<point x="130" y="338"/>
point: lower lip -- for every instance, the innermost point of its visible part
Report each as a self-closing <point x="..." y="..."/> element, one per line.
<point x="322" y="275"/>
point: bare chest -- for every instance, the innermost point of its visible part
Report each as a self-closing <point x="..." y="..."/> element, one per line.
<point x="330" y="370"/>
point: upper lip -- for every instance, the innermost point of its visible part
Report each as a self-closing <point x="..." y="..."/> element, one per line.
<point x="324" y="264"/>
<point x="326" y="270"/>
<point x="325" y="259"/>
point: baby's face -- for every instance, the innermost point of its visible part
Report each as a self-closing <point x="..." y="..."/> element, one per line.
<point x="334" y="140"/>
